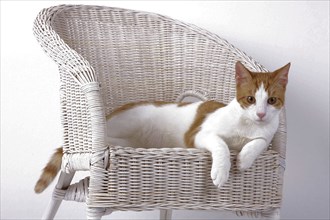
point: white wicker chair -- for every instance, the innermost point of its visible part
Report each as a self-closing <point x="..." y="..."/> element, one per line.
<point x="110" y="56"/>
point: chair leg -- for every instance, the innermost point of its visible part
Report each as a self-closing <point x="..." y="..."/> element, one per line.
<point x="97" y="213"/>
<point x="165" y="214"/>
<point x="58" y="195"/>
<point x="273" y="214"/>
<point x="51" y="210"/>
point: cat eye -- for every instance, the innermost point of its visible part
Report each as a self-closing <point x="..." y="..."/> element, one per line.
<point x="251" y="99"/>
<point x="272" y="100"/>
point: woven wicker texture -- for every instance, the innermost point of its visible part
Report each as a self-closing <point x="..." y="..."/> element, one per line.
<point x="142" y="179"/>
<point x="110" y="56"/>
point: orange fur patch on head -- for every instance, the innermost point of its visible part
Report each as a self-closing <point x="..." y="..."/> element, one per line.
<point x="203" y="110"/>
<point x="247" y="83"/>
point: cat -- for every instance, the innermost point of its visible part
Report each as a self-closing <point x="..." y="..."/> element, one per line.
<point x="247" y="124"/>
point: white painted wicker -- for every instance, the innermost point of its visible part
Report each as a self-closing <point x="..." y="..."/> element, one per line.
<point x="110" y="56"/>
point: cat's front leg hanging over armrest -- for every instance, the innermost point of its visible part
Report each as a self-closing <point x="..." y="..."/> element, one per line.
<point x="250" y="152"/>
<point x="220" y="156"/>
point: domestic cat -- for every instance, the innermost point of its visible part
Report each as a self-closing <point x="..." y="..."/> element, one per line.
<point x="247" y="124"/>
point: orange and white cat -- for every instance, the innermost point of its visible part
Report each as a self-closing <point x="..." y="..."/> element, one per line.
<point x="247" y="124"/>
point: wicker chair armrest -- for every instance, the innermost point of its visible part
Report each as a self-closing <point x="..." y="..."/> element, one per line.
<point x="280" y="138"/>
<point x="98" y="121"/>
<point x="64" y="56"/>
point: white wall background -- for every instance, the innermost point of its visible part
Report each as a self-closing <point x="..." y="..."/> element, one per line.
<point x="274" y="33"/>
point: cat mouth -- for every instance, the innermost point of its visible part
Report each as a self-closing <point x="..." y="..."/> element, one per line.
<point x="259" y="120"/>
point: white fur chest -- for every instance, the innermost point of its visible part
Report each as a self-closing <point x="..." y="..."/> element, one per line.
<point x="241" y="134"/>
<point x="236" y="130"/>
<point x="236" y="142"/>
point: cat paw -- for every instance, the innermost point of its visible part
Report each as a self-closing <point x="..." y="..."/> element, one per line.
<point x="220" y="174"/>
<point x="244" y="161"/>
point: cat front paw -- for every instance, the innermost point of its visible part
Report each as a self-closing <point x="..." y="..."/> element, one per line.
<point x="220" y="173"/>
<point x="244" y="161"/>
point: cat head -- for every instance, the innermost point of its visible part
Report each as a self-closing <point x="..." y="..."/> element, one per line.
<point x="261" y="95"/>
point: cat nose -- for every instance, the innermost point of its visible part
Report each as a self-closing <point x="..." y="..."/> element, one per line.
<point x="261" y="114"/>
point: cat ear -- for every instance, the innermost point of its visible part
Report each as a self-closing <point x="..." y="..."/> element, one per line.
<point x="281" y="74"/>
<point x="242" y="73"/>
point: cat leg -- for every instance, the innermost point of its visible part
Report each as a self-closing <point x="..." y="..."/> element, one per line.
<point x="220" y="156"/>
<point x="250" y="152"/>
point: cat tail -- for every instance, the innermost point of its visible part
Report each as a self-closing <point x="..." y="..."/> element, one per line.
<point x="50" y="171"/>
